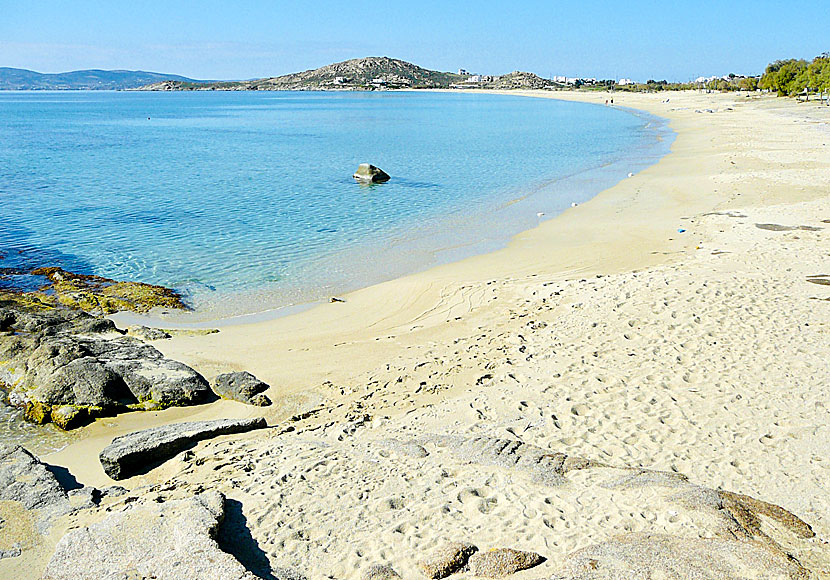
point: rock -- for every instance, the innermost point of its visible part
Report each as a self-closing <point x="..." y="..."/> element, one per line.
<point x="367" y="173"/>
<point x="12" y="552"/>
<point x="408" y="448"/>
<point x="502" y="562"/>
<point x="447" y="560"/>
<point x="69" y="367"/>
<point x="37" y="412"/>
<point x="542" y="465"/>
<point x="380" y="572"/>
<point x="645" y="556"/>
<point x="134" y="453"/>
<point x="146" y="333"/>
<point x="175" y="540"/>
<point x="103" y="295"/>
<point x="243" y="387"/>
<point x="70" y="417"/>
<point x="28" y="482"/>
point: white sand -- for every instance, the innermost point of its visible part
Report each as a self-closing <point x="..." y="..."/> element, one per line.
<point x="603" y="333"/>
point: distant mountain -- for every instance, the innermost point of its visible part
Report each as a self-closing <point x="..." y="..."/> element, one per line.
<point x="17" y="79"/>
<point x="359" y="73"/>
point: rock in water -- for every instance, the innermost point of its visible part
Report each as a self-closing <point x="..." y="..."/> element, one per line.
<point x="134" y="453"/>
<point x="447" y="560"/>
<point x="502" y="561"/>
<point x="174" y="540"/>
<point x="243" y="387"/>
<point x="367" y="173"/>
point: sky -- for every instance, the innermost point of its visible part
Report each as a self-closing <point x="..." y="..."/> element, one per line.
<point x="240" y="39"/>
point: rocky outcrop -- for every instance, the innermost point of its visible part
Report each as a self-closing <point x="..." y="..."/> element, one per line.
<point x="69" y="367"/>
<point x="644" y="556"/>
<point x="243" y="387"/>
<point x="446" y="560"/>
<point x="26" y="481"/>
<point x="175" y="540"/>
<point x="137" y="452"/>
<point x="500" y="562"/>
<point x="93" y="294"/>
<point x="367" y="173"/>
<point x="542" y="465"/>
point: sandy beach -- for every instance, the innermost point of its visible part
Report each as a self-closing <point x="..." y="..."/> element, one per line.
<point x="677" y="322"/>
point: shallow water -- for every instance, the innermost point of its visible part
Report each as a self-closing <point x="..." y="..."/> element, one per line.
<point x="245" y="202"/>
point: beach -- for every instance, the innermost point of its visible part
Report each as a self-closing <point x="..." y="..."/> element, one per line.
<point x="676" y="322"/>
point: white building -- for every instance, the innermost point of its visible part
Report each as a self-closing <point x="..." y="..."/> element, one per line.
<point x="623" y="82"/>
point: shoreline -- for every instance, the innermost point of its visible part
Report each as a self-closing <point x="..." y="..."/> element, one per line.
<point x="605" y="333"/>
<point x="428" y="296"/>
<point x="615" y="231"/>
<point x="584" y="182"/>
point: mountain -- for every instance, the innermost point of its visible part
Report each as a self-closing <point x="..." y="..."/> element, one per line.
<point x="18" y="79"/>
<point x="358" y="73"/>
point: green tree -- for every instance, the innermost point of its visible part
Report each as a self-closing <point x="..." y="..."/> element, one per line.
<point x="818" y="73"/>
<point x="786" y="77"/>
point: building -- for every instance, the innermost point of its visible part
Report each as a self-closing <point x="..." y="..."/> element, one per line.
<point x="624" y="82"/>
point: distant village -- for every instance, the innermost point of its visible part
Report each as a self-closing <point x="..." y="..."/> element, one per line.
<point x="475" y="80"/>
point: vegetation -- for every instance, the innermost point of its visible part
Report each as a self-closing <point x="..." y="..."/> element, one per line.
<point x="793" y="77"/>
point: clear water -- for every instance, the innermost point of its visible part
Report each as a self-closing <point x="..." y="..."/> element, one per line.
<point x="245" y="201"/>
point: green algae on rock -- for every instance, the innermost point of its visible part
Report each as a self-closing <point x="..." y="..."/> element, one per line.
<point x="68" y="367"/>
<point x="98" y="294"/>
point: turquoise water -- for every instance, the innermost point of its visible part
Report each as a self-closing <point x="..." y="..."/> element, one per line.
<point x="245" y="201"/>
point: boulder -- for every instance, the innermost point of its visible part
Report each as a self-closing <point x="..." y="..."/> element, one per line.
<point x="175" y="540"/>
<point x="138" y="452"/>
<point x="500" y="562"/>
<point x="243" y="387"/>
<point x="28" y="482"/>
<point x="446" y="560"/>
<point x="367" y="173"/>
<point x="69" y="367"/>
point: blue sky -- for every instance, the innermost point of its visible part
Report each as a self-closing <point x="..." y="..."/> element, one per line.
<point x="209" y="39"/>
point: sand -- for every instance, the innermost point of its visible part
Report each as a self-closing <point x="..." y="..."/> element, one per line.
<point x="604" y="333"/>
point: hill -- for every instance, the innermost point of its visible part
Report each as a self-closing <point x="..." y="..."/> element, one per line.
<point x="356" y="74"/>
<point x="518" y="80"/>
<point x="18" y="79"/>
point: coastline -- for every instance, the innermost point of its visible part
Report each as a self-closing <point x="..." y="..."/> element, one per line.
<point x="618" y="230"/>
<point x="763" y="158"/>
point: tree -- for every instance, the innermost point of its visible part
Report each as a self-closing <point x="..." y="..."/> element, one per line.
<point x="786" y="77"/>
<point x="818" y="73"/>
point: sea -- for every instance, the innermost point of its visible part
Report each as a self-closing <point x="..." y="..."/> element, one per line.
<point x="244" y="202"/>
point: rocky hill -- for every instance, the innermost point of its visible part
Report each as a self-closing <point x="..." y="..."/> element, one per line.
<point x="519" y="80"/>
<point x="359" y="73"/>
<point x="18" y="79"/>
